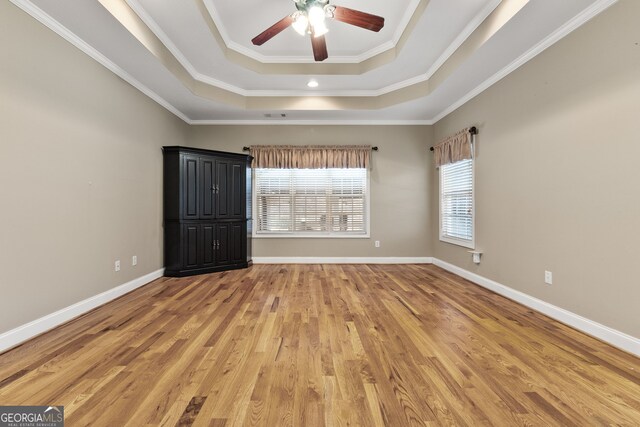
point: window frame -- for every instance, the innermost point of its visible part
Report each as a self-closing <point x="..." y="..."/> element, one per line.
<point x="469" y="244"/>
<point x="310" y="235"/>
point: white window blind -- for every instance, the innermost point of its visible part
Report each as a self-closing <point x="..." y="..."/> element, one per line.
<point x="456" y="203"/>
<point x="311" y="201"/>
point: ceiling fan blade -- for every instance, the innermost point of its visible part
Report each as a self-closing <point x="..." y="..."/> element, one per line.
<point x="319" y="45"/>
<point x="359" y="19"/>
<point x="272" y="31"/>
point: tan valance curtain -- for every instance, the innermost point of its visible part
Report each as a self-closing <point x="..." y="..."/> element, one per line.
<point x="453" y="149"/>
<point x="310" y="156"/>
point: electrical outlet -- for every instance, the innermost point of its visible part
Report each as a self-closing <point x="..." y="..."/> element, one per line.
<point x="134" y="260"/>
<point x="377" y="243"/>
<point x="117" y="266"/>
<point x="548" y="277"/>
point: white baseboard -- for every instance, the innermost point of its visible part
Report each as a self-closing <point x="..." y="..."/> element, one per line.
<point x="615" y="338"/>
<point x="342" y="260"/>
<point x="25" y="332"/>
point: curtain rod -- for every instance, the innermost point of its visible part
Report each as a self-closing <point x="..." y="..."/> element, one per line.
<point x="472" y="131"/>
<point x="248" y="149"/>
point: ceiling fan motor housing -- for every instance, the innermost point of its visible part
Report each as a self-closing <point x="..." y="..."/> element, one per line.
<point x="305" y="5"/>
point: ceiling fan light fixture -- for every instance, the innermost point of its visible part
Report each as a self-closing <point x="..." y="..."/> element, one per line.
<point x="310" y="18"/>
<point x="316" y="16"/>
<point x="300" y="23"/>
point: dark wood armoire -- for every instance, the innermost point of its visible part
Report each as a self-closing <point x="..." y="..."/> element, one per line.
<point x="207" y="211"/>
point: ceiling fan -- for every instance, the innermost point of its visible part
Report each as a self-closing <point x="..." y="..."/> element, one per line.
<point x="310" y="19"/>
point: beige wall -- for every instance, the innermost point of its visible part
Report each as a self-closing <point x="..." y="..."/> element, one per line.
<point x="557" y="176"/>
<point x="80" y="173"/>
<point x="399" y="185"/>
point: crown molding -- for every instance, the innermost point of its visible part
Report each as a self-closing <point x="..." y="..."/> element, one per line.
<point x="177" y="53"/>
<point x="573" y="24"/>
<point x="63" y="32"/>
<point x="446" y="54"/>
<point x="280" y="122"/>
<point x="196" y="75"/>
<point x="589" y="13"/>
<point x="243" y="50"/>
<point x="334" y="59"/>
<point x="464" y="35"/>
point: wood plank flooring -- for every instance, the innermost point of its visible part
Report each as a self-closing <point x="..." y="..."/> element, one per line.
<point x="314" y="345"/>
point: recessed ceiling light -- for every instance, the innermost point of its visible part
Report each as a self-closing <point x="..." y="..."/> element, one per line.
<point x="312" y="83"/>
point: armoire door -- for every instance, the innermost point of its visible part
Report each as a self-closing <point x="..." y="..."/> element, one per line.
<point x="207" y="188"/>
<point x="222" y="235"/>
<point x="230" y="181"/>
<point x="190" y="196"/>
<point x="191" y="245"/>
<point x="237" y="242"/>
<point x="237" y="190"/>
<point x="223" y="208"/>
<point x="208" y="245"/>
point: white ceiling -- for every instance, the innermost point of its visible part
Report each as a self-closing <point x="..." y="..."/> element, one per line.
<point x="196" y="58"/>
<point x="346" y="43"/>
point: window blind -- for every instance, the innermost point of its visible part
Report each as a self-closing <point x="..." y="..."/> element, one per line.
<point x="311" y="201"/>
<point x="456" y="203"/>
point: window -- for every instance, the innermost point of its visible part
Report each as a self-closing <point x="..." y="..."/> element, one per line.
<point x="311" y="202"/>
<point x="457" y="204"/>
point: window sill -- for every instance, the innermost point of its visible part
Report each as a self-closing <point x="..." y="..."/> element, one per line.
<point x="310" y="236"/>
<point x="469" y="244"/>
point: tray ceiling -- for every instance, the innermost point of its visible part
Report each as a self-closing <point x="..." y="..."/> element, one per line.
<point x="195" y="57"/>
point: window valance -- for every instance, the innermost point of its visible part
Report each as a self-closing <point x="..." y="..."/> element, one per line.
<point x="310" y="156"/>
<point x="454" y="148"/>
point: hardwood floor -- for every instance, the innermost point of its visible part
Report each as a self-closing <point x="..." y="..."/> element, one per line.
<point x="315" y="345"/>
